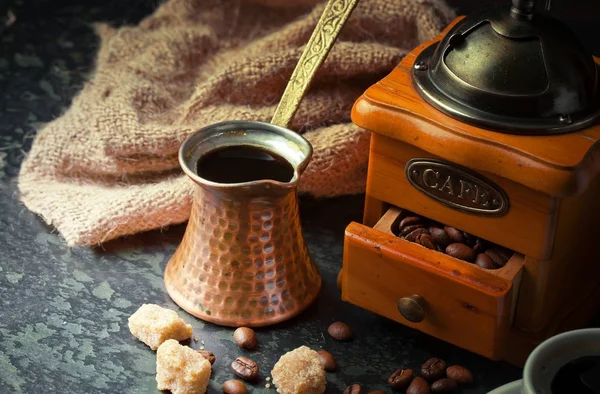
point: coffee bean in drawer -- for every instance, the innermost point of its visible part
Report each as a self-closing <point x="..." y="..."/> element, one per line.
<point x="451" y="241"/>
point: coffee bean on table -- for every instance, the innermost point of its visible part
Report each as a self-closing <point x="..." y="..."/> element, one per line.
<point x="353" y="389"/>
<point x="444" y="385"/>
<point x="413" y="235"/>
<point x="245" y="338"/>
<point x="207" y="354"/>
<point x="454" y="234"/>
<point x="418" y="386"/>
<point x="340" y="331"/>
<point x="234" y="386"/>
<point x="440" y="236"/>
<point x="461" y="374"/>
<point x="401" y="378"/>
<point x="496" y="258"/>
<point x="245" y="368"/>
<point x="433" y="369"/>
<point x="327" y="361"/>
<point x="460" y="251"/>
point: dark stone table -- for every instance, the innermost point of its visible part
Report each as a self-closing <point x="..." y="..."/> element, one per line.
<point x="63" y="312"/>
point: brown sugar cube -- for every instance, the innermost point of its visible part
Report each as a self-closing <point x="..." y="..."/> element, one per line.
<point x="299" y="372"/>
<point x="181" y="369"/>
<point x="153" y="325"/>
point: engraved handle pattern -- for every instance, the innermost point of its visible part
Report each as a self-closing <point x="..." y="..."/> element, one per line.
<point x="332" y="20"/>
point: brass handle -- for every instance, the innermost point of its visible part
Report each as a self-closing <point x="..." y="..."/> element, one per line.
<point x="334" y="16"/>
<point x="412" y="308"/>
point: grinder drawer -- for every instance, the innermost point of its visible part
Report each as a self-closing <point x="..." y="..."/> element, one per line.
<point x="527" y="226"/>
<point x="450" y="299"/>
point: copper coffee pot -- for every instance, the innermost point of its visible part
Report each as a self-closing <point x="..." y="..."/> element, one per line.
<point x="243" y="260"/>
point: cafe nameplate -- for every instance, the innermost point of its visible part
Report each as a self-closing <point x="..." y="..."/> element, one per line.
<point x="456" y="187"/>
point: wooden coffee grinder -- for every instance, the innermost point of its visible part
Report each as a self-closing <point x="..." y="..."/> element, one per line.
<point x="491" y="128"/>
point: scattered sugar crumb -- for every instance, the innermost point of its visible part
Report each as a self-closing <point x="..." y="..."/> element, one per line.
<point x="201" y="347"/>
<point x="268" y="378"/>
<point x="268" y="385"/>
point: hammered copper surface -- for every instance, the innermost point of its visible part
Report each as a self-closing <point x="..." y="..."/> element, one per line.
<point x="243" y="260"/>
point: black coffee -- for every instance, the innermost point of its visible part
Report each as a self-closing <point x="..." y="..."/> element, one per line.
<point x="580" y="376"/>
<point x="236" y="164"/>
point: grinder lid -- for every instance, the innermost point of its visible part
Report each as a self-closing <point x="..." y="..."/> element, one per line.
<point x="513" y="71"/>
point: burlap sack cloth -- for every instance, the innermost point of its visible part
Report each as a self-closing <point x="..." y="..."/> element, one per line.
<point x="108" y="166"/>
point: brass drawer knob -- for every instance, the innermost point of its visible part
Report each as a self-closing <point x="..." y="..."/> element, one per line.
<point x="412" y="308"/>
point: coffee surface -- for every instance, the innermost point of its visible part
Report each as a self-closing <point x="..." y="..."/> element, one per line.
<point x="580" y="376"/>
<point x="237" y="164"/>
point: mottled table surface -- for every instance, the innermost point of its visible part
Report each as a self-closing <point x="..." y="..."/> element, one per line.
<point x="63" y="312"/>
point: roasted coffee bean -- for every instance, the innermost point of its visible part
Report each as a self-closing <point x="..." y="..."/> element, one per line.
<point x="479" y="246"/>
<point x="496" y="258"/>
<point x="444" y="385"/>
<point x="207" y="354"/>
<point x="484" y="261"/>
<point x="401" y="378"/>
<point x="461" y="374"/>
<point x="409" y="229"/>
<point x="418" y="386"/>
<point x="353" y="389"/>
<point x="245" y="368"/>
<point x="502" y="252"/>
<point x="234" y="386"/>
<point x="409" y="221"/>
<point x="412" y="237"/>
<point x="440" y="236"/>
<point x="327" y="361"/>
<point x="245" y="338"/>
<point x="340" y="331"/>
<point x="455" y="235"/>
<point x="427" y="241"/>
<point x="433" y="369"/>
<point x="461" y="251"/>
<point x="469" y="239"/>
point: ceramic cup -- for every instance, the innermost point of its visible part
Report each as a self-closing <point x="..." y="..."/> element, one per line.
<point x="549" y="357"/>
